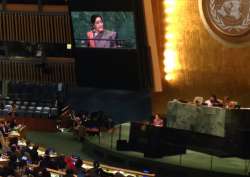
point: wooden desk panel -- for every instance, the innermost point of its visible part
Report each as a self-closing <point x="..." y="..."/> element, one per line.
<point x="36" y="124"/>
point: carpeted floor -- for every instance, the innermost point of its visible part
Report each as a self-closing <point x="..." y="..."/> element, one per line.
<point x="62" y="142"/>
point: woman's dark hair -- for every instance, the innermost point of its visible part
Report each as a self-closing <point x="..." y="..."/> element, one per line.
<point x="96" y="164"/>
<point x="93" y="19"/>
<point x="78" y="163"/>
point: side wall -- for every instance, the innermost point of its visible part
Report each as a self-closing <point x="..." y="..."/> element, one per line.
<point x="121" y="105"/>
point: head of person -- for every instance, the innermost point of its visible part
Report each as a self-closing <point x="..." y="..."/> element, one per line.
<point x="78" y="163"/>
<point x="97" y="23"/>
<point x="226" y="99"/>
<point x="213" y="98"/>
<point x="96" y="164"/>
<point x="35" y="147"/>
<point x="5" y="123"/>
<point x="156" y="116"/>
<point x="1" y="123"/>
<point x="28" y="143"/>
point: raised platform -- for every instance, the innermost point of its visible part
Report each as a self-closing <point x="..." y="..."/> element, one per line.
<point x="192" y="163"/>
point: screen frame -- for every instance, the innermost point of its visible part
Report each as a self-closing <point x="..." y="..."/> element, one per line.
<point x="141" y="54"/>
<point x="134" y="23"/>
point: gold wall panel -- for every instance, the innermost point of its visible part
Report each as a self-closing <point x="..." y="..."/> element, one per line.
<point x="206" y="66"/>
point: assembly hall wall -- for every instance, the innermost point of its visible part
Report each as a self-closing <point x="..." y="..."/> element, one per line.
<point x="204" y="65"/>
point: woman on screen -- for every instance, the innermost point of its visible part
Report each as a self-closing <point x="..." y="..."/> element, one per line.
<point x="98" y="37"/>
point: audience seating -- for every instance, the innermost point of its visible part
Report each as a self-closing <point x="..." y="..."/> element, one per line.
<point x="29" y="108"/>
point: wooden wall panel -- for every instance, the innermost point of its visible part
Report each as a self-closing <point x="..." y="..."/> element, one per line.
<point x="4" y="27"/>
<point x="60" y="70"/>
<point x="55" y="8"/>
<point x="35" y="8"/>
<point x="22" y="7"/>
<point x="1" y="27"/>
<point x="206" y="65"/>
<point x="34" y="27"/>
<point x="68" y="29"/>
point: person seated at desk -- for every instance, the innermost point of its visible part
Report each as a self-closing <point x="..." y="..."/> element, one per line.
<point x="3" y="143"/>
<point x="13" y="111"/>
<point x="96" y="171"/>
<point x="76" y="125"/>
<point x="27" y="148"/>
<point x="4" y="129"/>
<point x="213" y="101"/>
<point x="7" y="126"/>
<point x="79" y="171"/>
<point x="157" y="121"/>
<point x="13" y="123"/>
<point x="34" y="154"/>
<point x="198" y="101"/>
<point x="229" y="104"/>
<point x="47" y="162"/>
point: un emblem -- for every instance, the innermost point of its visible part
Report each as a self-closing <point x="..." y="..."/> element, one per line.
<point x="228" y="19"/>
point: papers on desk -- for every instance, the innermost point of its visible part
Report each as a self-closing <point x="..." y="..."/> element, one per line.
<point x="14" y="134"/>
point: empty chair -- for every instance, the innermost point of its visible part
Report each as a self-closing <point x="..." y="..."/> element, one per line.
<point x="54" y="112"/>
<point x="39" y="108"/>
<point x="46" y="109"/>
<point x="44" y="114"/>
<point x="30" y="113"/>
<point x="33" y="103"/>
<point x="37" y="113"/>
<point x="23" y="107"/>
<point x="10" y="102"/>
<point x="18" y="102"/>
<point x="26" y="103"/>
<point x="32" y="108"/>
<point x="47" y="104"/>
<point x="7" y="98"/>
<point x="19" y="112"/>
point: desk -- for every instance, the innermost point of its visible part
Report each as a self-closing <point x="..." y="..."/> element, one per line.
<point x="226" y="131"/>
<point x="3" y="162"/>
<point x="213" y="121"/>
<point x="200" y="119"/>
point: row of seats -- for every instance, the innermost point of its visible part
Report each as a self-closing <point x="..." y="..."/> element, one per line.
<point x="28" y="103"/>
<point x="28" y="108"/>
<point x="31" y="113"/>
